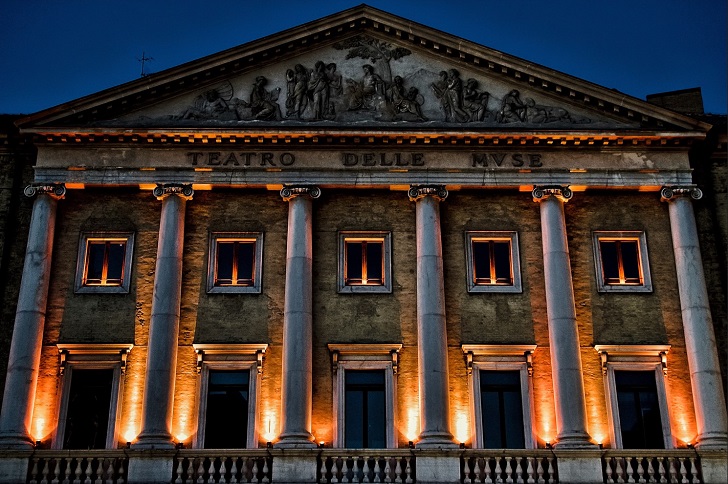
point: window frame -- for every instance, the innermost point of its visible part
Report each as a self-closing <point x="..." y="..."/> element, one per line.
<point x="351" y="357"/>
<point x="486" y="236"/>
<point x="81" y="265"/>
<point x="500" y="358"/>
<point x="635" y="358"/>
<point x="229" y="357"/>
<point x="629" y="235"/>
<point x="91" y="357"/>
<point x="256" y="287"/>
<point x="349" y="236"/>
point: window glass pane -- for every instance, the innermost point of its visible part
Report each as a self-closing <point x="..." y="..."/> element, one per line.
<point x="245" y="259"/>
<point x="610" y="262"/>
<point x="353" y="262"/>
<point x="95" y="262"/>
<point x="87" y="415"/>
<point x="226" y="417"/>
<point x="374" y="262"/>
<point x="502" y="409"/>
<point x="115" y="268"/>
<point x="630" y="261"/>
<point x="639" y="410"/>
<point x="365" y="411"/>
<point x="224" y="263"/>
<point x="502" y="256"/>
<point x="481" y="262"/>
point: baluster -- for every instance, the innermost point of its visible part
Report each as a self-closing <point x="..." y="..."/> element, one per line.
<point x="408" y="470"/>
<point x="540" y="471"/>
<point x="201" y="472"/>
<point x="56" y="470"/>
<point x="529" y="470"/>
<point x="673" y="464"/>
<point x="45" y="472"/>
<point x="488" y="469"/>
<point x="322" y="470"/>
<point x="519" y="471"/>
<point x="607" y="469"/>
<point x="34" y="471"/>
<point x="87" y="471"/>
<point x="661" y="469"/>
<point x="650" y="470"/>
<point x="180" y="463"/>
<point x="640" y="470"/>
<point x="67" y="471"/>
<point x="683" y="471"/>
<point x="387" y="469"/>
<point x="508" y="467"/>
<point x="77" y="471"/>
<point x="119" y="463"/>
<point x="694" y="469"/>
<point x="266" y="470"/>
<point x="378" y="470"/>
<point x="467" y="470"/>
<point x="630" y="470"/>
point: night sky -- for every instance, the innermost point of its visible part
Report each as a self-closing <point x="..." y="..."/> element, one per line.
<point x="55" y="51"/>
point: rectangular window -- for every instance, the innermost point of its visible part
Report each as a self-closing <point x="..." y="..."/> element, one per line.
<point x="636" y="398"/>
<point x="493" y="262"/>
<point x="621" y="262"/>
<point x="502" y="409"/>
<point x="502" y="398"/>
<point x="104" y="263"/>
<point x="90" y="401"/>
<point x="364" y="389"/>
<point x="226" y="418"/>
<point x="639" y="410"/>
<point x="227" y="406"/>
<point x="365" y="410"/>
<point x="235" y="262"/>
<point x="89" y="405"/>
<point x="364" y="262"/>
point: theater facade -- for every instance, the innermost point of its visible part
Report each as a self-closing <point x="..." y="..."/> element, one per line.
<point x="363" y="250"/>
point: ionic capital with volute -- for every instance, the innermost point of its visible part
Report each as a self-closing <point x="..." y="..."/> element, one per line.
<point x="543" y="192"/>
<point x="54" y="190"/>
<point x="668" y="194"/>
<point x="163" y="190"/>
<point x="290" y="192"/>
<point x="416" y="192"/>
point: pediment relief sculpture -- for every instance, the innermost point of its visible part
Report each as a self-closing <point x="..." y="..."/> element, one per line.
<point x="365" y="80"/>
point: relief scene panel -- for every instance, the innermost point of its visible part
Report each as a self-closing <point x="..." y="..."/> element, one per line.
<point x="364" y="80"/>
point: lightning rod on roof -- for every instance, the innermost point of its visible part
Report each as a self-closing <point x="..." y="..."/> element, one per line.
<point x="144" y="59"/>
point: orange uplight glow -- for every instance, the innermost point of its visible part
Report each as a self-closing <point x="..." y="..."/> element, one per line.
<point x="130" y="435"/>
<point x="410" y="430"/>
<point x="40" y="429"/>
<point x="270" y="427"/>
<point x="462" y="427"/>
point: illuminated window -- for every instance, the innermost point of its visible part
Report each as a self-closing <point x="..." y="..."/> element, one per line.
<point x="493" y="262"/>
<point x="104" y="262"/>
<point x="91" y="389"/>
<point x="636" y="398"/>
<point x="235" y="262"/>
<point x="229" y="383"/>
<point x="364" y="262"/>
<point x="621" y="262"/>
<point x="502" y="394"/>
<point x="364" y="389"/>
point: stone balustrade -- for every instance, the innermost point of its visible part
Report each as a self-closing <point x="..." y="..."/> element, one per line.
<point x="499" y="465"/>
<point x="366" y="465"/>
<point x="667" y="466"/>
<point x="64" y="466"/>
<point x="224" y="465"/>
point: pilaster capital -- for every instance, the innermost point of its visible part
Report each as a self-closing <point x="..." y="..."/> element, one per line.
<point x="163" y="190"/>
<point x="291" y="192"/>
<point x="54" y="190"/>
<point x="543" y="192"/>
<point x="416" y="192"/>
<point x="668" y="194"/>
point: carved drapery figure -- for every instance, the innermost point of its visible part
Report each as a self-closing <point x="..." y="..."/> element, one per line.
<point x="297" y="100"/>
<point x="405" y="101"/>
<point x="263" y="103"/>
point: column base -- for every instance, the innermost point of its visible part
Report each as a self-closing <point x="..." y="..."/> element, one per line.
<point x="16" y="442"/>
<point x="161" y="441"/>
<point x="712" y="441"/>
<point x="295" y="440"/>
<point x="436" y="440"/>
<point x="575" y="441"/>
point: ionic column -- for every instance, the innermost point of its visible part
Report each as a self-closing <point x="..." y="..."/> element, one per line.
<point x="297" y="385"/>
<point x="571" y="420"/>
<point x="160" y="373"/>
<point x="705" y="378"/>
<point x="431" y="322"/>
<point x="27" y="340"/>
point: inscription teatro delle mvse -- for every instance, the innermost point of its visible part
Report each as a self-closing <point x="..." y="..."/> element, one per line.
<point x="352" y="159"/>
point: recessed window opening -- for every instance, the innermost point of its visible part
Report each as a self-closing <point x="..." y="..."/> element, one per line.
<point x="365" y="262"/>
<point x="104" y="262"/>
<point x="89" y="404"/>
<point x="639" y="410"/>
<point x="235" y="262"/>
<point x="621" y="262"/>
<point x="492" y="262"/>
<point x="502" y="410"/>
<point x="365" y="409"/>
<point x="226" y="417"/>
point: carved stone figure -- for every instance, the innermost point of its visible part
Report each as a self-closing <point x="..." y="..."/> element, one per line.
<point x="263" y="103"/>
<point x="297" y="84"/>
<point x="475" y="101"/>
<point x="374" y="50"/>
<point x="405" y="101"/>
<point x="212" y="104"/>
<point x="367" y="94"/>
<point x="512" y="108"/>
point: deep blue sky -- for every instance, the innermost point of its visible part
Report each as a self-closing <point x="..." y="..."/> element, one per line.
<point x="54" y="51"/>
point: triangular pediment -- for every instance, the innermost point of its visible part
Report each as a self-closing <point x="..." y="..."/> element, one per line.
<point x="361" y="69"/>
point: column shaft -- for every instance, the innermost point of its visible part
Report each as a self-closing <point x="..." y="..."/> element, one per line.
<point x="27" y="340"/>
<point x="571" y="422"/>
<point x="297" y="386"/>
<point x="159" y="381"/>
<point x="705" y="378"/>
<point x="431" y="328"/>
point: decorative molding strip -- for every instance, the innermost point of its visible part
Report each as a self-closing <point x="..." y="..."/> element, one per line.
<point x="163" y="190"/>
<point x="93" y="352"/>
<point x="290" y="192"/>
<point x="55" y="190"/>
<point x="563" y="193"/>
<point x="417" y="192"/>
<point x="513" y="352"/>
<point x="633" y="353"/>
<point x="231" y="352"/>
<point x="668" y="194"/>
